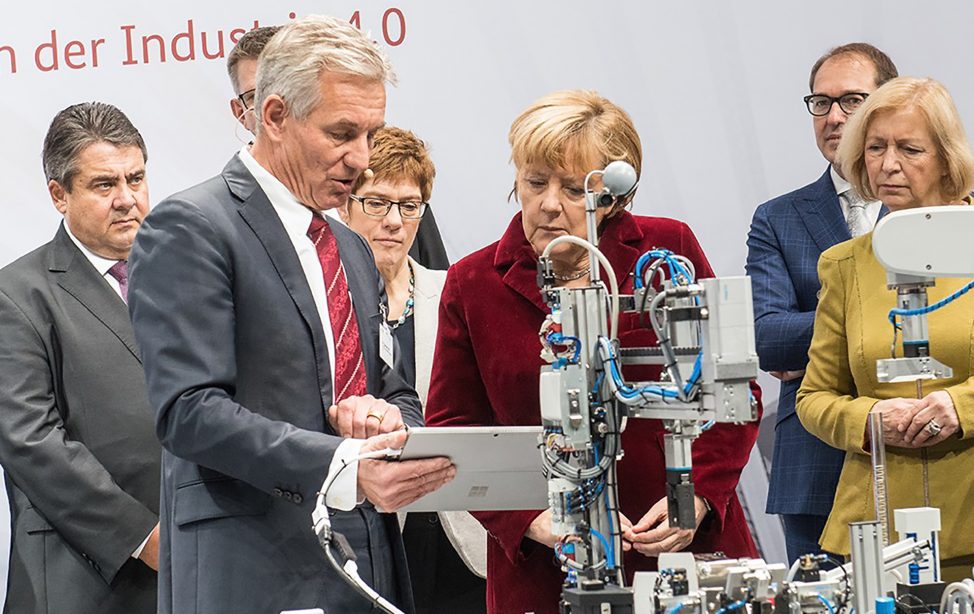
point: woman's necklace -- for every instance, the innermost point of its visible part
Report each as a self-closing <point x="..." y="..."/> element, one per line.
<point x="408" y="311"/>
<point x="573" y="276"/>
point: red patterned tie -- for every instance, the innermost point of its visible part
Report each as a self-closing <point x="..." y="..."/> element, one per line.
<point x="349" y="365"/>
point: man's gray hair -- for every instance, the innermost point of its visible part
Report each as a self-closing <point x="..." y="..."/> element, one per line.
<point x="292" y="62"/>
<point x="79" y="126"/>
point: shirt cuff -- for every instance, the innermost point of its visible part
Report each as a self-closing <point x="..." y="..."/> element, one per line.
<point x="138" y="551"/>
<point x="343" y="494"/>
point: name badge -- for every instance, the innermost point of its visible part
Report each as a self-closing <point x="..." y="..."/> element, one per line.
<point x="386" y="346"/>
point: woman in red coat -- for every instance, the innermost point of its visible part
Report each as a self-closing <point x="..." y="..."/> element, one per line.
<point x="487" y="364"/>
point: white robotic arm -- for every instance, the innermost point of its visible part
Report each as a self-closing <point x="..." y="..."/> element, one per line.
<point x="915" y="246"/>
<point x="927" y="242"/>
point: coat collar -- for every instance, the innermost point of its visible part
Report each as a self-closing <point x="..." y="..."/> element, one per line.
<point x="75" y="274"/>
<point x="429" y="285"/>
<point x="258" y="213"/>
<point x="821" y="213"/>
<point x="516" y="262"/>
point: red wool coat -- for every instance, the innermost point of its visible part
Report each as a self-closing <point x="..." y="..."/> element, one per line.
<point x="486" y="372"/>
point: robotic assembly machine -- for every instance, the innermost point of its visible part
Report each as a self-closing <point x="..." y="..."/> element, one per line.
<point x="706" y="350"/>
<point x="705" y="329"/>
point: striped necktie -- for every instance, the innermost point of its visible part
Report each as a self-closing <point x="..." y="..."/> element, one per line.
<point x="349" y="364"/>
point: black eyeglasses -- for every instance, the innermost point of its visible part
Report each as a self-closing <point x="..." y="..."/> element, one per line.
<point x="247" y="99"/>
<point x="820" y="104"/>
<point x="380" y="207"/>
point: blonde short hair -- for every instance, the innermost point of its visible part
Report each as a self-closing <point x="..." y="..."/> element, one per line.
<point x="934" y="103"/>
<point x="291" y="63"/>
<point x="399" y="155"/>
<point x="575" y="130"/>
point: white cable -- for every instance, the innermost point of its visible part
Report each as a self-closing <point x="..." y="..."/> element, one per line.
<point x="610" y="272"/>
<point x="949" y="597"/>
<point x="692" y="270"/>
<point x="793" y="570"/>
<point x="322" y="528"/>
<point x="320" y="513"/>
<point x="351" y="568"/>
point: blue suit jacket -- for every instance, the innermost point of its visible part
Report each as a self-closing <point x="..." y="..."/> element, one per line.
<point x="787" y="236"/>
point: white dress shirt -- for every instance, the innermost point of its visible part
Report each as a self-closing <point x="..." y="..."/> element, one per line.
<point x="296" y="219"/>
<point x="102" y="265"/>
<point x="842" y="186"/>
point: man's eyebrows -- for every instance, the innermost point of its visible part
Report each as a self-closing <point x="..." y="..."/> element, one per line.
<point x="108" y="176"/>
<point x="102" y="177"/>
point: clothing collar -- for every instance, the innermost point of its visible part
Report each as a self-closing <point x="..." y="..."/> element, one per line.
<point x="841" y="185"/>
<point x="289" y="208"/>
<point x="514" y="246"/>
<point x="515" y="260"/>
<point x="295" y="216"/>
<point x="101" y="264"/>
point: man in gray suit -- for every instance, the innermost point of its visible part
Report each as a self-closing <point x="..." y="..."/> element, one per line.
<point x="80" y="456"/>
<point x="427" y="249"/>
<point x="259" y="322"/>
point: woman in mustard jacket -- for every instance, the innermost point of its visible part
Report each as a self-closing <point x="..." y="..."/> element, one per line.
<point x="905" y="146"/>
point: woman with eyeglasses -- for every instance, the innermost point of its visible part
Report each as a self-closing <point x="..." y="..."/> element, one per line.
<point x="488" y="361"/>
<point x="905" y="146"/>
<point x="446" y="551"/>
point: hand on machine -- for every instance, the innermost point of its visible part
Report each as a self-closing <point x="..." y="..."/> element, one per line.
<point x="706" y="350"/>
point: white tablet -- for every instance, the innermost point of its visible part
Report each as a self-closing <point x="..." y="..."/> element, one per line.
<point x="498" y="467"/>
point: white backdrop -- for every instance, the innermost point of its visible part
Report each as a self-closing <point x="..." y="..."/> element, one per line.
<point x="714" y="87"/>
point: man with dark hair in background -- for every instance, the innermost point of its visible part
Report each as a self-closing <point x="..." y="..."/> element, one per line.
<point x="787" y="235"/>
<point x="428" y="249"/>
<point x="242" y="68"/>
<point x="76" y="439"/>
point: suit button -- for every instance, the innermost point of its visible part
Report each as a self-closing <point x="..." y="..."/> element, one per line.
<point x="297" y="498"/>
<point x="278" y="492"/>
<point x="287" y="495"/>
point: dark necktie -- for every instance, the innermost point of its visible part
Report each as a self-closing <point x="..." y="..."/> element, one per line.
<point x="120" y="271"/>
<point x="349" y="364"/>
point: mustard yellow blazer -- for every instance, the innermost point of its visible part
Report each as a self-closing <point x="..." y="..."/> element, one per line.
<point x="840" y="387"/>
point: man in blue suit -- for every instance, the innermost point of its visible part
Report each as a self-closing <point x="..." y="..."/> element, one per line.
<point x="788" y="233"/>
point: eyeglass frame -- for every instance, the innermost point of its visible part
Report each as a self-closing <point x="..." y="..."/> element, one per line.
<point x="833" y="101"/>
<point x="240" y="97"/>
<point x="423" y="206"/>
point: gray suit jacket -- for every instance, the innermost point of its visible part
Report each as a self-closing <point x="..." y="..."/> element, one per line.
<point x="80" y="456"/>
<point x="237" y="370"/>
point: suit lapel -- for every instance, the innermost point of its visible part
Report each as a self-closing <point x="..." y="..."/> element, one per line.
<point x="517" y="264"/>
<point x="257" y="211"/>
<point x="427" y="299"/>
<point x="620" y="241"/>
<point x="76" y="275"/>
<point x="822" y="215"/>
